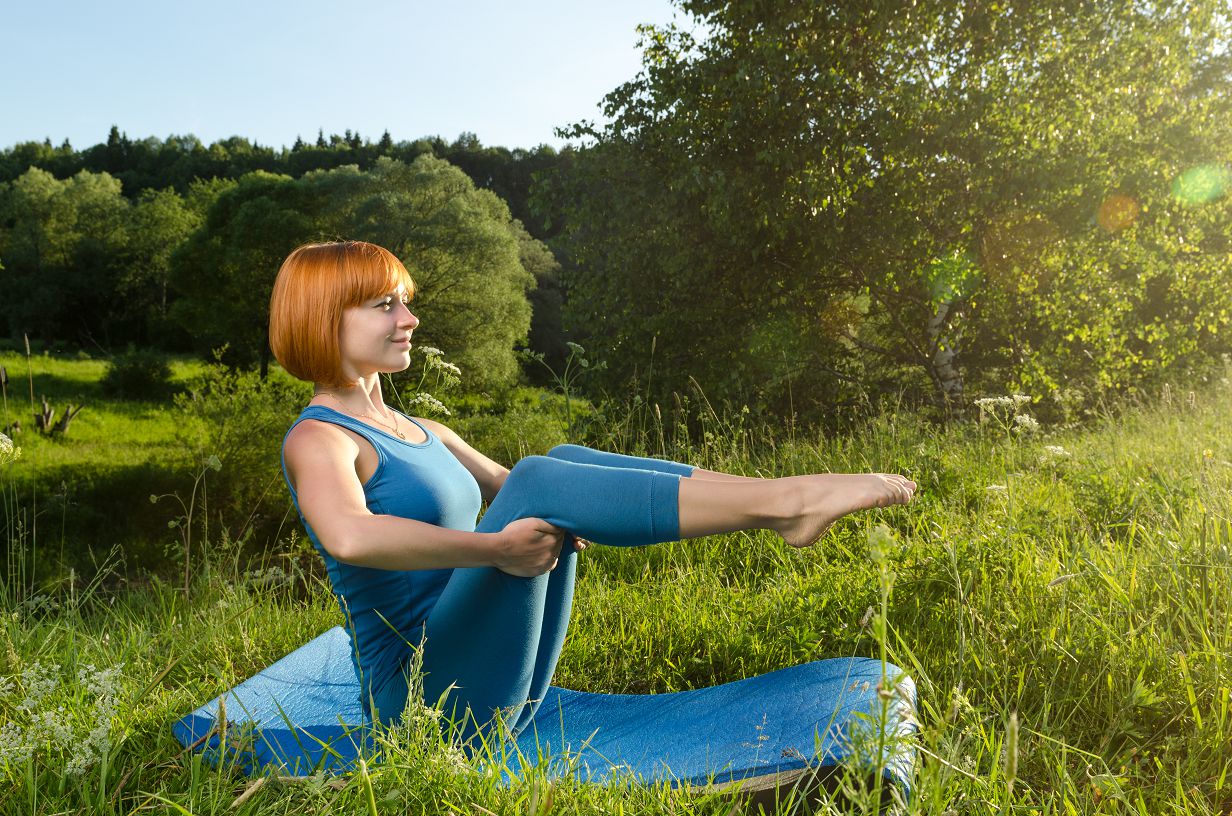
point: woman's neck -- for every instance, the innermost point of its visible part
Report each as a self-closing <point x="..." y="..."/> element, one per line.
<point x="363" y="398"/>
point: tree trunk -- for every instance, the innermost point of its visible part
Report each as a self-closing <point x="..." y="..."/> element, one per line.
<point x="944" y="364"/>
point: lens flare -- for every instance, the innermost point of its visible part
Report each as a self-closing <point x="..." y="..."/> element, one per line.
<point x="1117" y="212"/>
<point x="1202" y="184"/>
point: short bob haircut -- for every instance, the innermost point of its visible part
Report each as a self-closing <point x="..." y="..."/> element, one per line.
<point x="316" y="282"/>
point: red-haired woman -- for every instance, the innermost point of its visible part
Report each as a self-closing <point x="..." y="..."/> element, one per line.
<point x="390" y="502"/>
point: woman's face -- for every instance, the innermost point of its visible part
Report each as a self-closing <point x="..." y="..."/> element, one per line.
<point x="375" y="336"/>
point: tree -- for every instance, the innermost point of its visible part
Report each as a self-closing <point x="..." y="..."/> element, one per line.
<point x="459" y="243"/>
<point x="461" y="248"/>
<point x="159" y="222"/>
<point x="61" y="241"/>
<point x="875" y="195"/>
<point x="224" y="273"/>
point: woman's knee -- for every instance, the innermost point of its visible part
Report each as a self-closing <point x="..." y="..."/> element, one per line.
<point x="533" y="468"/>
<point x="570" y="453"/>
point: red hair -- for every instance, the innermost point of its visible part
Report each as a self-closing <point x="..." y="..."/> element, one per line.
<point x="316" y="282"/>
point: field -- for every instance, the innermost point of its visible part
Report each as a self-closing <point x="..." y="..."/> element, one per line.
<point x="1061" y="596"/>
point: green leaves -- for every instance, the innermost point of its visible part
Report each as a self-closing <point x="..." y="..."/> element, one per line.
<point x="994" y="175"/>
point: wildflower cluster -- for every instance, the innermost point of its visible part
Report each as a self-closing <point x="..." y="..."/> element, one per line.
<point x="1008" y="414"/>
<point x="445" y="376"/>
<point x="434" y="361"/>
<point x="425" y="403"/>
<point x="41" y="722"/>
<point x="1025" y="423"/>
<point x="8" y="451"/>
<point x="1010" y="403"/>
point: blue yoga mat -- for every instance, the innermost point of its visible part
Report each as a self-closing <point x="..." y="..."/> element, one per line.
<point x="303" y="714"/>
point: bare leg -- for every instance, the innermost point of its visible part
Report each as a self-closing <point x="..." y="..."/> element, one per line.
<point x="716" y="476"/>
<point x="799" y="508"/>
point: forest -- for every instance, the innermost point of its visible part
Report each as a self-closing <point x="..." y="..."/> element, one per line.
<point x="829" y="210"/>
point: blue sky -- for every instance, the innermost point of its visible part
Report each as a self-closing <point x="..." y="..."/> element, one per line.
<point x="510" y="72"/>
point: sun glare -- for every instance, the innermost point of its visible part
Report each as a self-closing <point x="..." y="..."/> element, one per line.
<point x="1202" y="184"/>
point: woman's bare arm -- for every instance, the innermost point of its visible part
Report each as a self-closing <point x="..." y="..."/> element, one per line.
<point x="321" y="463"/>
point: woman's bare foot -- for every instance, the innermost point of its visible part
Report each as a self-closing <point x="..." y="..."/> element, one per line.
<point x="822" y="499"/>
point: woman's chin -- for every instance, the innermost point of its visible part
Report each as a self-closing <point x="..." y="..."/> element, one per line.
<point x="401" y="364"/>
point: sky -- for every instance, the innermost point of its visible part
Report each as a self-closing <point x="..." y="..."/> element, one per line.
<point x="510" y="72"/>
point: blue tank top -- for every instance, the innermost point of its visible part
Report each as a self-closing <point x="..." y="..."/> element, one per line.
<point x="384" y="609"/>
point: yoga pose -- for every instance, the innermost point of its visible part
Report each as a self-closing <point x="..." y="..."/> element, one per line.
<point x="391" y="501"/>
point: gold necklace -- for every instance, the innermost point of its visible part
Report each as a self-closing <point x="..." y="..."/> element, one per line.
<point x="346" y="410"/>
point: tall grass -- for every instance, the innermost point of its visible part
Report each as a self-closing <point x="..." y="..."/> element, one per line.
<point x="1061" y="598"/>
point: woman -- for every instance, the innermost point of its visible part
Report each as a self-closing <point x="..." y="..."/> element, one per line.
<point x="390" y="502"/>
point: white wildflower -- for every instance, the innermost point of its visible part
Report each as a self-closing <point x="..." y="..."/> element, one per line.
<point x="80" y="762"/>
<point x="102" y="683"/>
<point x="442" y="365"/>
<point x="38" y="683"/>
<point x="1013" y="401"/>
<point x="15" y="749"/>
<point x="1057" y="451"/>
<point x="429" y="402"/>
<point x="1025" y="423"/>
<point x="39" y="603"/>
<point x="7" y="686"/>
<point x="8" y="451"/>
<point x="104" y="686"/>
<point x="51" y="728"/>
<point x="997" y="488"/>
<point x="430" y="351"/>
<point x="575" y="348"/>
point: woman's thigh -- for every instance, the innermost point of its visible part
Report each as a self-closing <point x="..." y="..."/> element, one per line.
<point x="590" y="456"/>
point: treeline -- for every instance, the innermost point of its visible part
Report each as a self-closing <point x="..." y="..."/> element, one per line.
<point x="196" y="271"/>
<point x="178" y="161"/>
<point x="808" y="211"/>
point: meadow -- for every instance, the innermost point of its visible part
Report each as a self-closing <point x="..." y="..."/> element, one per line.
<point x="1060" y="594"/>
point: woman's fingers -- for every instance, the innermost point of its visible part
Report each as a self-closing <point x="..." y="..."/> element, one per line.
<point x="532" y="547"/>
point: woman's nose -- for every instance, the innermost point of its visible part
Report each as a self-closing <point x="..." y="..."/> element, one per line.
<point x="410" y="320"/>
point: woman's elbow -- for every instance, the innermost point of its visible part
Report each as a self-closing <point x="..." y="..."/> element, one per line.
<point x="340" y="549"/>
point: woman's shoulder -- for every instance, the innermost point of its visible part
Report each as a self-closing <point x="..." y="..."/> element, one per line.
<point x="443" y="432"/>
<point x="312" y="433"/>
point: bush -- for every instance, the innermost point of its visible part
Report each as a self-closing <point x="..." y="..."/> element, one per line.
<point x="241" y="419"/>
<point x="140" y="374"/>
<point x="508" y="437"/>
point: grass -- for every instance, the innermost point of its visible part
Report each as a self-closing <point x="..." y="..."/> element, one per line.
<point x="105" y="432"/>
<point x="1083" y="594"/>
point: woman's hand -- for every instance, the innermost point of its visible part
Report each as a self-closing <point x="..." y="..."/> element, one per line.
<point x="528" y="547"/>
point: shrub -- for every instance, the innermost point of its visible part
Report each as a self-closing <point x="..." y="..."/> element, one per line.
<point x="518" y="432"/>
<point x="241" y="419"/>
<point x="138" y="374"/>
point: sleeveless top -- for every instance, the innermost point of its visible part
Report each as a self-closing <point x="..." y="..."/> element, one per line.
<point x="384" y="609"/>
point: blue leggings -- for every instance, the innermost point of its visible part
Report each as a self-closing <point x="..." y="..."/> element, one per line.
<point x="492" y="640"/>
